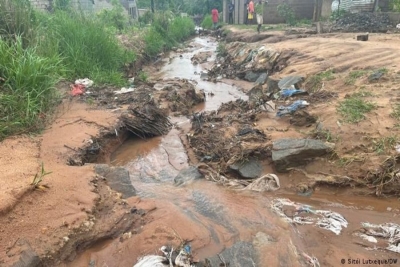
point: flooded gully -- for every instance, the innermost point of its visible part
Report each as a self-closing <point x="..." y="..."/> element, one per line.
<point x="239" y="227"/>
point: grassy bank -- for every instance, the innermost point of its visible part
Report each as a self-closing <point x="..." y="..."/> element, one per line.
<point x="38" y="49"/>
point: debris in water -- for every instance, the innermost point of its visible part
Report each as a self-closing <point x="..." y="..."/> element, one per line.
<point x="328" y="220"/>
<point x="388" y="231"/>
<point x="146" y="120"/>
<point x="180" y="257"/>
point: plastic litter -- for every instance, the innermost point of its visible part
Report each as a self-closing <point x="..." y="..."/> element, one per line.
<point x="86" y="82"/>
<point x="312" y="261"/>
<point x="298" y="104"/>
<point x="328" y="220"/>
<point x="398" y="26"/>
<point x="171" y="257"/>
<point x="124" y="90"/>
<point x="77" y="89"/>
<point x="269" y="182"/>
<point x="291" y="92"/>
<point x="389" y="231"/>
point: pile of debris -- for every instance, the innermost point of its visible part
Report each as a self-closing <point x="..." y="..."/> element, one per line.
<point x="388" y="231"/>
<point x="363" y="22"/>
<point x="297" y="213"/>
<point x="146" y="120"/>
<point x="181" y="96"/>
<point x="242" y="58"/>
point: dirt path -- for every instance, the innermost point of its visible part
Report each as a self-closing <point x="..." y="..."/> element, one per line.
<point x="76" y="209"/>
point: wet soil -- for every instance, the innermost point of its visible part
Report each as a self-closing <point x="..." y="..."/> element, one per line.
<point x="79" y="221"/>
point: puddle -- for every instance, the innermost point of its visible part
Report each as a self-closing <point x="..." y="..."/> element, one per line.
<point x="240" y="225"/>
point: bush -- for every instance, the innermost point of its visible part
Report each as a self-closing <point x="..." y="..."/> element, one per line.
<point x="207" y="22"/>
<point x="17" y="19"/>
<point x="86" y="48"/>
<point x="27" y="92"/>
<point x="165" y="32"/>
<point x="114" y="17"/>
<point x="286" y="12"/>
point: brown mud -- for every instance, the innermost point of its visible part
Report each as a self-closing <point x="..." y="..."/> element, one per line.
<point x="77" y="220"/>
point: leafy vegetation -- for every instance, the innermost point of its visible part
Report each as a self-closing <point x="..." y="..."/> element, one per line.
<point x="337" y="14"/>
<point x="221" y="49"/>
<point x="38" y="49"/>
<point x="354" y="107"/>
<point x="166" y="31"/>
<point x="207" y="22"/>
<point x="287" y="12"/>
<point x="193" y="7"/>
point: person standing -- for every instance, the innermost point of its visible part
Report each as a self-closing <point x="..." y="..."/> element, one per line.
<point x="231" y="9"/>
<point x="215" y="17"/>
<point x="250" y="10"/>
<point x="259" y="10"/>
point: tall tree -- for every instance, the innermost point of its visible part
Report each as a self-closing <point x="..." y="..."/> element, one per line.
<point x="152" y="6"/>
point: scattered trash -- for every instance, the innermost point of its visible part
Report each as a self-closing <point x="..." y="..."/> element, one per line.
<point x="397" y="147"/>
<point x="180" y="257"/>
<point x="291" y="92"/>
<point x="77" y="89"/>
<point x="269" y="182"/>
<point x="313" y="261"/>
<point x="131" y="80"/>
<point x="328" y="220"/>
<point x="291" y="82"/>
<point x="298" y="104"/>
<point x="86" y="82"/>
<point x="124" y="90"/>
<point x="398" y="26"/>
<point x="389" y="231"/>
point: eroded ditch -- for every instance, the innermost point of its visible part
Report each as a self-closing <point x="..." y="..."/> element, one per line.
<point x="240" y="225"/>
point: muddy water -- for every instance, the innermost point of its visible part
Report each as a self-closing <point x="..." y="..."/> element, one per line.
<point x="240" y="225"/>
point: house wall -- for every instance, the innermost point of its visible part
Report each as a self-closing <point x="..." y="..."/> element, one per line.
<point x="304" y="9"/>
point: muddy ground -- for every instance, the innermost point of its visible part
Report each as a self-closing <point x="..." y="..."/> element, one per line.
<point x="75" y="217"/>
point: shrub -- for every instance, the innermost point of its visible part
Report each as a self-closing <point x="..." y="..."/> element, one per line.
<point x="27" y="90"/>
<point x="207" y="22"/>
<point x="86" y="48"/>
<point x="286" y="12"/>
<point x="181" y="28"/>
<point x="114" y="17"/>
<point x="17" y="19"/>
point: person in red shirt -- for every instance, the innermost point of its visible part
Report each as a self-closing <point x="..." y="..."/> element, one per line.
<point x="250" y="10"/>
<point x="215" y="17"/>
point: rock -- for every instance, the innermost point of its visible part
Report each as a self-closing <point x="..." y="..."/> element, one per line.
<point x="375" y="76"/>
<point x="240" y="254"/>
<point x="251" y="76"/>
<point x="187" y="175"/>
<point x="302" y="118"/>
<point x="362" y="37"/>
<point x="272" y="85"/>
<point x="204" y="75"/>
<point x="255" y="93"/>
<point x="262" y="78"/>
<point x="117" y="178"/>
<point x="288" y="82"/>
<point x="288" y="153"/>
<point x="249" y="169"/>
<point x="27" y="257"/>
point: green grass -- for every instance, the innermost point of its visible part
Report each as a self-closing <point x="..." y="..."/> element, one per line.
<point x="166" y="32"/>
<point x="315" y="81"/>
<point x="354" y="108"/>
<point x="28" y="91"/>
<point x="384" y="144"/>
<point x="87" y="49"/>
<point x="396" y="112"/>
<point x="353" y="76"/>
<point x="207" y="22"/>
